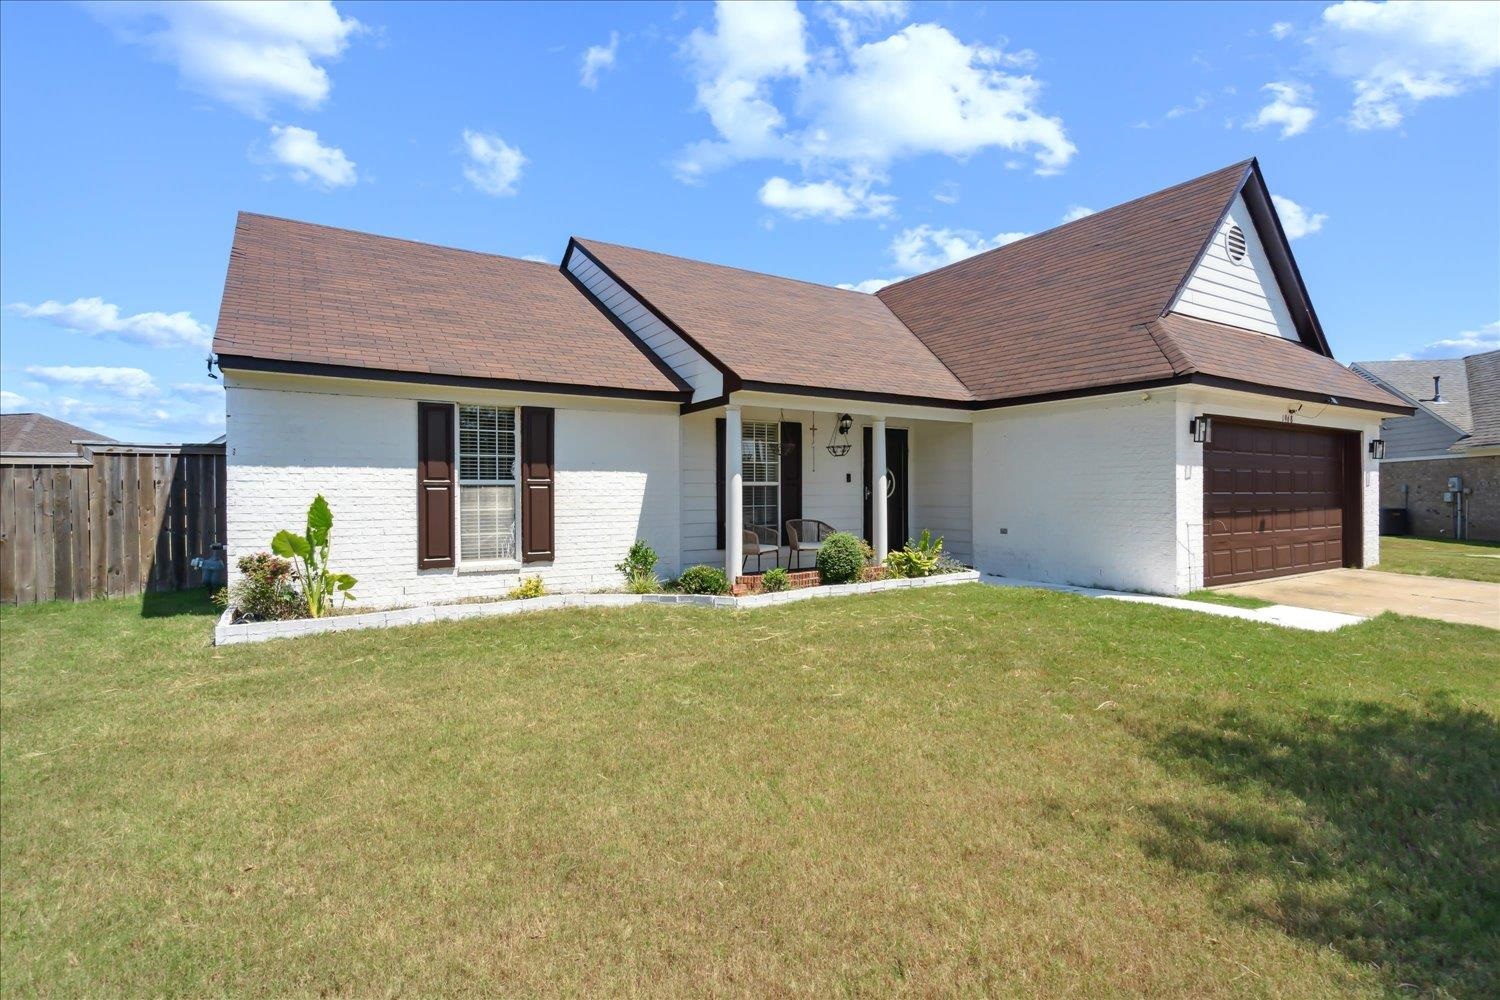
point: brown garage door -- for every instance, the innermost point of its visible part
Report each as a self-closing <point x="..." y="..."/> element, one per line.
<point x="1274" y="501"/>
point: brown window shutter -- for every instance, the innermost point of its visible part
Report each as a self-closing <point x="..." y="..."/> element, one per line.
<point x="791" y="474"/>
<point x="719" y="481"/>
<point x="434" y="485"/>
<point x="537" y="493"/>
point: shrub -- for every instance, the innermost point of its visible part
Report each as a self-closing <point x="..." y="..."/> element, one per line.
<point x="774" y="580"/>
<point x="643" y="583"/>
<point x="640" y="561"/>
<point x="948" y="564"/>
<point x="703" y="580"/>
<point x="266" y="590"/>
<point x="530" y="586"/>
<point x="311" y="554"/>
<point x="840" y="558"/>
<point x="919" y="558"/>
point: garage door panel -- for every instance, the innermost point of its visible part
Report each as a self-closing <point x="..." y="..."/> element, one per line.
<point x="1273" y="501"/>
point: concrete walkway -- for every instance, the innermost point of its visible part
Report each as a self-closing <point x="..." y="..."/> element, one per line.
<point x="1309" y="619"/>
<point x="1369" y="592"/>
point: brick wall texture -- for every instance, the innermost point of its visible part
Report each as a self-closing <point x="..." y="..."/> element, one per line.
<point x="1426" y="482"/>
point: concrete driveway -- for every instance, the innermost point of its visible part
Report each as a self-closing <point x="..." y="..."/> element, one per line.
<point x="1369" y="592"/>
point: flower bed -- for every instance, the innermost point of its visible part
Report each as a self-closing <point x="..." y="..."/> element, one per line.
<point x="228" y="632"/>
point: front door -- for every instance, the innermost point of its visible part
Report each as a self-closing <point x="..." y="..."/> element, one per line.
<point x="897" y="529"/>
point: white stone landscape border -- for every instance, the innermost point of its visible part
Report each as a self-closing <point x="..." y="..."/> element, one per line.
<point x="226" y="633"/>
<point x="1307" y="619"/>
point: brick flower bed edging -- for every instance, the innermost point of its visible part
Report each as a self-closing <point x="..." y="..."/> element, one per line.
<point x="228" y="634"/>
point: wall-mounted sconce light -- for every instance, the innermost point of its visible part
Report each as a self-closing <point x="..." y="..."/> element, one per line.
<point x="838" y="442"/>
<point x="1202" y="428"/>
<point x="1377" y="449"/>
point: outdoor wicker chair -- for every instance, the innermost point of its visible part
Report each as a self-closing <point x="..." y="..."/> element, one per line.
<point x="806" y="534"/>
<point x="760" y="541"/>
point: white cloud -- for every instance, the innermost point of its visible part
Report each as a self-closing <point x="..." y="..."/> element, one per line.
<point x="1296" y="220"/>
<point x="186" y="389"/>
<point x="1402" y="53"/>
<point x="96" y="317"/>
<point x="946" y="192"/>
<point x="125" y="403"/>
<point x="493" y="166"/>
<point x="1486" y="338"/>
<point x="1199" y="103"/>
<point x="1288" y="109"/>
<point x="311" y="162"/>
<point x="752" y="45"/>
<point x="131" y="383"/>
<point x="825" y="200"/>
<point x="598" y="58"/>
<point x="1281" y="29"/>
<point x="10" y="402"/>
<point x="852" y="18"/>
<point x="249" y="55"/>
<point x="923" y="91"/>
<point x="870" y="285"/>
<point x="136" y="419"/>
<point x="924" y="248"/>
<point x="1076" y="212"/>
<point x="854" y="109"/>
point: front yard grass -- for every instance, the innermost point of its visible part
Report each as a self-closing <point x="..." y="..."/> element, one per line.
<point x="964" y="790"/>
<point x="1441" y="557"/>
<point x="1227" y="599"/>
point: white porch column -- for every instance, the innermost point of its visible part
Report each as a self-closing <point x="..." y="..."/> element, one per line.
<point x="734" y="505"/>
<point x="881" y="485"/>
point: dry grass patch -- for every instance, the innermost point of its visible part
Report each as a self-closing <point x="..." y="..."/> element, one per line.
<point x="961" y="790"/>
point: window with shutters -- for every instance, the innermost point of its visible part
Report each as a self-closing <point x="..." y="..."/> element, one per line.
<point x="486" y="482"/>
<point x="761" y="472"/>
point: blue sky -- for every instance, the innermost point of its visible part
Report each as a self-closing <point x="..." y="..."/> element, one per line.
<point x="840" y="143"/>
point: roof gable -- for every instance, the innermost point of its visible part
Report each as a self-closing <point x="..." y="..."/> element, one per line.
<point x="1234" y="283"/>
<point x="765" y="331"/>
<point x="1065" y="310"/>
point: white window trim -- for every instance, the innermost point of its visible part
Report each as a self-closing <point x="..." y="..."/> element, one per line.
<point x="460" y="564"/>
<point x="747" y="482"/>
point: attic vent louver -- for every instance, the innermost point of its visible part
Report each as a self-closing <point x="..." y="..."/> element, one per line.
<point x="1234" y="242"/>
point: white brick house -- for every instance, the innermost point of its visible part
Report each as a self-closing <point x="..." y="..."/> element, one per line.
<point x="1140" y="399"/>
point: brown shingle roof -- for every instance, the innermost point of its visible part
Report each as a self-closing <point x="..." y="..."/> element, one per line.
<point x="770" y="329"/>
<point x="1065" y="310"/>
<point x="1198" y="347"/>
<point x="298" y="292"/>
<point x="39" y="432"/>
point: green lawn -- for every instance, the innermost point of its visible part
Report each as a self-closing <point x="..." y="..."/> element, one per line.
<point x="951" y="791"/>
<point x="1231" y="600"/>
<point x="1441" y="557"/>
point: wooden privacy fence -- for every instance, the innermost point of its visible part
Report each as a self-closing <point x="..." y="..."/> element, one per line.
<point x="113" y="521"/>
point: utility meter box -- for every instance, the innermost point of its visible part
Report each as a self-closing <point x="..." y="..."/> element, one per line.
<point x="1448" y="497"/>
<point x="1455" y="483"/>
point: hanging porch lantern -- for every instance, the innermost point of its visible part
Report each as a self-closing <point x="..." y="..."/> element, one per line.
<point x="838" y="441"/>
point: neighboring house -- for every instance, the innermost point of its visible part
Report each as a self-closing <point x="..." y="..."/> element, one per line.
<point x="39" y="434"/>
<point x="1453" y="435"/>
<point x="472" y="418"/>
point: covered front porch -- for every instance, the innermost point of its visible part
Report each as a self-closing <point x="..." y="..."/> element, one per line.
<point x="883" y="472"/>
